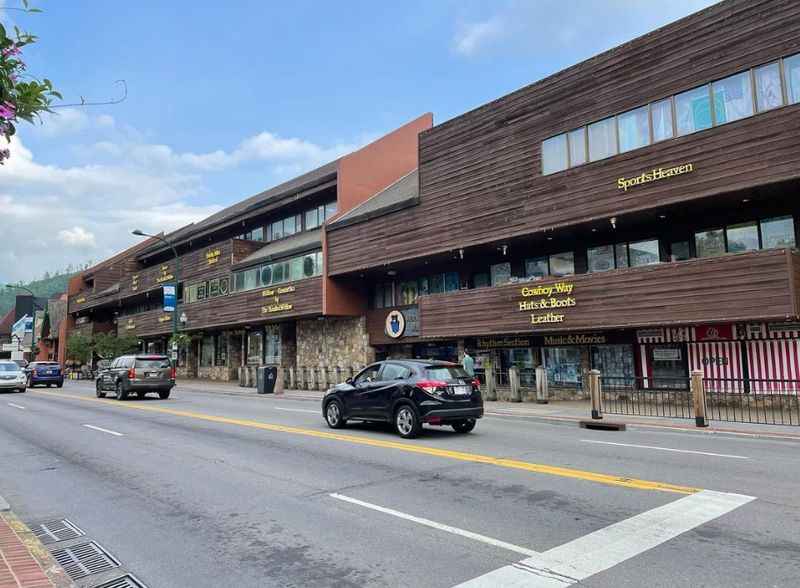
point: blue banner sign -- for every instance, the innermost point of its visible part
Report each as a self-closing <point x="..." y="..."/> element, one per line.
<point x="169" y="298"/>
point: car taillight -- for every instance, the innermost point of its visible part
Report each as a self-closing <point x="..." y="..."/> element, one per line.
<point x="476" y="383"/>
<point x="132" y="374"/>
<point x="172" y="373"/>
<point x="435" y="387"/>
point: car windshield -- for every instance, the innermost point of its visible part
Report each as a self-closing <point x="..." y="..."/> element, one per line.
<point x="152" y="363"/>
<point x="445" y="372"/>
<point x="9" y="367"/>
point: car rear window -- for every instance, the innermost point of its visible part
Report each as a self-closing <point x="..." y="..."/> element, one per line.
<point x="445" y="372"/>
<point x="152" y="363"/>
<point x="9" y="367"/>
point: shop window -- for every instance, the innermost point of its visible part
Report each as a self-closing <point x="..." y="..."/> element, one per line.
<point x="694" y="110"/>
<point x="289" y="226"/>
<point x="777" y="232"/>
<point x="330" y="209"/>
<point x="202" y="291"/>
<point x="563" y="365"/>
<point x="613" y="361"/>
<point x="743" y="237"/>
<point x="644" y="253"/>
<point x="769" y="94"/>
<point x="791" y="67"/>
<point x="384" y="295"/>
<point x="669" y="366"/>
<point x="424" y="286"/>
<point x="733" y="98"/>
<point x="258" y="234"/>
<point x="254" y="347"/>
<point x="207" y="351"/>
<point x="601" y="258"/>
<point x="309" y="265"/>
<point x="272" y="344"/>
<point x="621" y="254"/>
<point x="602" y="139"/>
<point x="451" y="282"/>
<point x="634" y="129"/>
<point x="480" y="280"/>
<point x="562" y="264"/>
<point x="408" y="292"/>
<point x="554" y="154"/>
<point x="709" y="243"/>
<point x="213" y="288"/>
<point x="501" y="273"/>
<point x="277" y="230"/>
<point x="312" y="219"/>
<point x="437" y="284"/>
<point x="679" y="251"/>
<point x="319" y="266"/>
<point x="536" y="267"/>
<point x="221" y="350"/>
<point x="661" y="113"/>
<point x="577" y="146"/>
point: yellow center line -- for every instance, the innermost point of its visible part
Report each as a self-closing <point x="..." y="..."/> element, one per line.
<point x="408" y="447"/>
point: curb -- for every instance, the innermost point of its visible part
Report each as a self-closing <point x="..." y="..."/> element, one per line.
<point x="54" y="572"/>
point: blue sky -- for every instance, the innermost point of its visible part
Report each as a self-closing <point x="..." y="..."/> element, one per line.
<point x="228" y="98"/>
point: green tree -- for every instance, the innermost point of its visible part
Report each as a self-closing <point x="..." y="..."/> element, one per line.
<point x="80" y="348"/>
<point x="109" y="346"/>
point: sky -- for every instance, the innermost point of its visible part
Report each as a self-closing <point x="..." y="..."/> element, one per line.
<point x="226" y="99"/>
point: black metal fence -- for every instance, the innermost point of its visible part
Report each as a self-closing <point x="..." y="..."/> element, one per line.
<point x="771" y="402"/>
<point x="662" y="397"/>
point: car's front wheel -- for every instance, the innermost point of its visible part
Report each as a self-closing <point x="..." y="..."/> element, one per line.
<point x="406" y="422"/>
<point x="60" y="384"/>
<point x="21" y="390"/>
<point x="122" y="394"/>
<point x="334" y="415"/>
<point x="164" y="394"/>
<point x="99" y="390"/>
<point x="464" y="426"/>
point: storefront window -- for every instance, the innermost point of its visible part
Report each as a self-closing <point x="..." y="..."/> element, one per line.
<point x="613" y="361"/>
<point x="522" y="358"/>
<point x="733" y="98"/>
<point x="221" y="350"/>
<point x="251" y="279"/>
<point x="480" y="280"/>
<point x="679" y="251"/>
<point x="577" y="146"/>
<point x="644" y="253"/>
<point x="768" y="87"/>
<point x="601" y="258"/>
<point x="634" y="129"/>
<point x="408" y="292"/>
<point x="562" y="264"/>
<point x="277" y="230"/>
<point x="709" y="243"/>
<point x="536" y="267"/>
<point x="330" y="209"/>
<point x="437" y="284"/>
<point x="621" y="254"/>
<point x="424" y="286"/>
<point x="554" y="154"/>
<point x="669" y="366"/>
<point x="207" y="351"/>
<point x="309" y="265"/>
<point x="563" y="365"/>
<point x="444" y="350"/>
<point x="451" y="281"/>
<point x="254" y="347"/>
<point x="662" y="120"/>
<point x="743" y="237"/>
<point x="792" y="68"/>
<point x="312" y="219"/>
<point x="777" y="232"/>
<point x="694" y="110"/>
<point x="258" y="234"/>
<point x="602" y="139"/>
<point x="501" y="273"/>
<point x="272" y="344"/>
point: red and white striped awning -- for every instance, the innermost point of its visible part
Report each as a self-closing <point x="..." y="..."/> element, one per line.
<point x="775" y="359"/>
<point x="720" y="362"/>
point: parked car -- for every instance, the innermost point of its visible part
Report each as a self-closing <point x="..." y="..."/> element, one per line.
<point x="23" y="363"/>
<point x="407" y="393"/>
<point x="12" y="376"/>
<point x="137" y="374"/>
<point x="44" y="372"/>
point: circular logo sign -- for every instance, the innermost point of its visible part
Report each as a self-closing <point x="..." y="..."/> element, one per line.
<point x="395" y="324"/>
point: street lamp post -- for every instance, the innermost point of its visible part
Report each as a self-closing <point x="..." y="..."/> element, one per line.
<point x="139" y="233"/>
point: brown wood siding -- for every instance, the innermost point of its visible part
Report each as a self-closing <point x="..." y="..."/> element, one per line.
<point x="376" y="327"/>
<point x="230" y="311"/>
<point x="742" y="287"/>
<point x="794" y="268"/>
<point x="480" y="177"/>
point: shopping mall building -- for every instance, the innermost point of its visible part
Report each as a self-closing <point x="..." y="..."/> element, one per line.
<point x="636" y="213"/>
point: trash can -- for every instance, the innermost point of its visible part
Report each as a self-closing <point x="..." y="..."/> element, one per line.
<point x="265" y="380"/>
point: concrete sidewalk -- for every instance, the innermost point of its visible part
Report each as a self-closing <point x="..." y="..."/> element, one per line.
<point x="564" y="411"/>
<point x="24" y="561"/>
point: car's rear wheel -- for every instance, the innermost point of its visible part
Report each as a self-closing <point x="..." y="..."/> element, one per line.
<point x="60" y="384"/>
<point x="406" y="422"/>
<point x="464" y="426"/>
<point x="122" y="394"/>
<point x="30" y="382"/>
<point x="141" y="395"/>
<point x="164" y="394"/>
<point x="334" y="415"/>
<point x="99" y="390"/>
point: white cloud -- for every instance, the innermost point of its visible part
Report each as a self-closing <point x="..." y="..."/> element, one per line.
<point x="472" y="37"/>
<point x="77" y="237"/>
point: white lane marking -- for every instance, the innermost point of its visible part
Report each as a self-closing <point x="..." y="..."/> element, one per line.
<point x="102" y="430"/>
<point x="439" y="526"/>
<point x="298" y="410"/>
<point x="601" y="550"/>
<point x="665" y="449"/>
<point x="16" y="406"/>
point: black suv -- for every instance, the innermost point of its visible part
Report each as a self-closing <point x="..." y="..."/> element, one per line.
<point x="138" y="374"/>
<point x="407" y="393"/>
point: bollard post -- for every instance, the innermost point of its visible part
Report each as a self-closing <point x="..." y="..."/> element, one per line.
<point x="699" y="398"/>
<point x="312" y="380"/>
<point x="513" y="380"/>
<point x="541" y="386"/>
<point x="279" y="383"/>
<point x="596" y="394"/>
<point x="491" y="384"/>
<point x="292" y="378"/>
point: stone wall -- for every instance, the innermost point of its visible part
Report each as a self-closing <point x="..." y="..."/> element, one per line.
<point x="333" y="342"/>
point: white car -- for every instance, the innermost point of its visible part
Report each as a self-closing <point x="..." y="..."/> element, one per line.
<point x="12" y="377"/>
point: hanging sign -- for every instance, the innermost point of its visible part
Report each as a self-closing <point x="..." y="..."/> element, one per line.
<point x="169" y="298"/>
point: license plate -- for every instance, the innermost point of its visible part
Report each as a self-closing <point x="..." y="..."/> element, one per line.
<point x="152" y="374"/>
<point x="462" y="390"/>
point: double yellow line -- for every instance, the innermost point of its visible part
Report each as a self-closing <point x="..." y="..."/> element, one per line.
<point x="407" y="447"/>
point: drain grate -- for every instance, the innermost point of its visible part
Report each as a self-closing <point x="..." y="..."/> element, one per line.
<point x="85" y="559"/>
<point x="126" y="581"/>
<point x="55" y="531"/>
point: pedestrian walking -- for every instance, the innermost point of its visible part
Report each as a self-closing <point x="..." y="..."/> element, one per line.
<point x="468" y="363"/>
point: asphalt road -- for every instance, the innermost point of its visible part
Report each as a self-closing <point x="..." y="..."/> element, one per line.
<point x="209" y="490"/>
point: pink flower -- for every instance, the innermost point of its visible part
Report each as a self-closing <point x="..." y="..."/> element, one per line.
<point x="11" y="50"/>
<point x="7" y="110"/>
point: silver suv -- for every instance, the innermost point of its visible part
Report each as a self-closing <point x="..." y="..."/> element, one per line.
<point x="12" y="377"/>
<point x="137" y="374"/>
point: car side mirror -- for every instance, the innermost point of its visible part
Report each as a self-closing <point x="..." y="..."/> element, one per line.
<point x="349" y="381"/>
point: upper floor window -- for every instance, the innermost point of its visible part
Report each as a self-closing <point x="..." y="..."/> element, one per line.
<point x="562" y="264"/>
<point x="554" y="154"/>
<point x="661" y="113"/>
<point x="777" y="232"/>
<point x="577" y="146"/>
<point x="733" y="98"/>
<point x="792" y="72"/>
<point x="621" y="255"/>
<point x="634" y="129"/>
<point x="602" y="139"/>
<point x="768" y="87"/>
<point x="694" y="110"/>
<point x="290" y="270"/>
